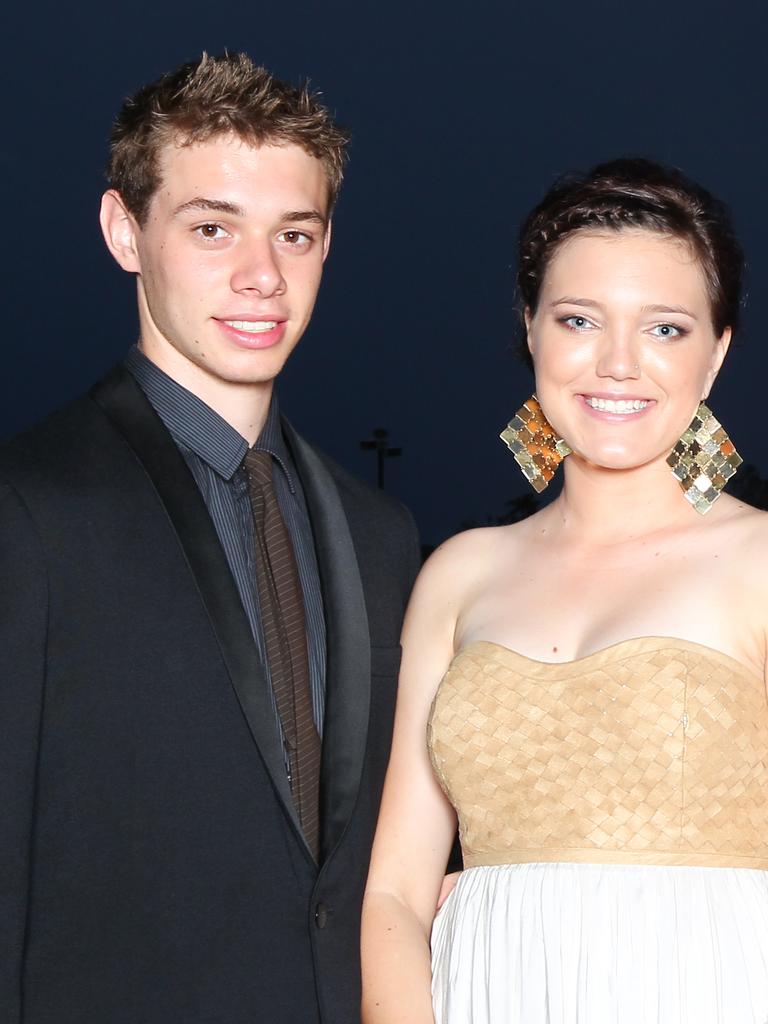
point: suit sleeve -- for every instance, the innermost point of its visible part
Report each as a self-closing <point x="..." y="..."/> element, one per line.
<point x="413" y="559"/>
<point x="23" y="626"/>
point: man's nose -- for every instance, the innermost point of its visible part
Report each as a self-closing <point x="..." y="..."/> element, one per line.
<point x="258" y="270"/>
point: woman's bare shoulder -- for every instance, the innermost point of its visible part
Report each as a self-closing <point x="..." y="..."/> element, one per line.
<point x="449" y="579"/>
<point x="744" y="522"/>
<point x="462" y="566"/>
<point x="750" y="527"/>
<point x="467" y="557"/>
<point x="743" y="542"/>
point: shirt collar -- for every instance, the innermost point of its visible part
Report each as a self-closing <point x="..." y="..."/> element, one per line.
<point x="195" y="425"/>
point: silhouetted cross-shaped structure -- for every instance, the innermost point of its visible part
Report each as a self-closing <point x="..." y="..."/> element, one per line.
<point x="379" y="443"/>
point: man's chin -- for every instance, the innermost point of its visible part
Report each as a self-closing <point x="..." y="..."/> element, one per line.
<point x="208" y="365"/>
<point x="245" y="368"/>
<point x="243" y="377"/>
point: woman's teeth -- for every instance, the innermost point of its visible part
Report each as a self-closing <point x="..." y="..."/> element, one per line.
<point x="620" y="405"/>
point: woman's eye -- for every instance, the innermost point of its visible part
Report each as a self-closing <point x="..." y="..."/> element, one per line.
<point x="667" y="331"/>
<point x="577" y="323"/>
<point x="211" y="231"/>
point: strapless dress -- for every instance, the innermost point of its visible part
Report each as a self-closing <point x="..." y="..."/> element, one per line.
<point x="613" y="815"/>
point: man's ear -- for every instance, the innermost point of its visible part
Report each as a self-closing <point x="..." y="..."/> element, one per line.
<point x="119" y="229"/>
<point x="327" y="239"/>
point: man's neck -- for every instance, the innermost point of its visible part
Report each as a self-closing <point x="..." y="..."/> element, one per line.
<point x="243" y="406"/>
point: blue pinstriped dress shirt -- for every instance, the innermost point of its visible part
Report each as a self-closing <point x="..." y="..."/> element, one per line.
<point x="214" y="452"/>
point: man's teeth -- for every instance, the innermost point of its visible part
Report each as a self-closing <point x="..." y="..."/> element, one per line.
<point x="252" y="326"/>
<point x="619" y="406"/>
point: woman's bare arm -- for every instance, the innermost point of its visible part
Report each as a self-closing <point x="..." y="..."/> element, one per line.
<point x="417" y="824"/>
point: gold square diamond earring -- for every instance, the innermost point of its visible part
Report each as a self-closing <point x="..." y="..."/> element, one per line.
<point x="704" y="460"/>
<point x="538" y="451"/>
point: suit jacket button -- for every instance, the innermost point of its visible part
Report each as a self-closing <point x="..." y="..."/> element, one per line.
<point x="321" y="915"/>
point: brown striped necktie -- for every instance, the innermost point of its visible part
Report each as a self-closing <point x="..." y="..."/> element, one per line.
<point x="281" y="604"/>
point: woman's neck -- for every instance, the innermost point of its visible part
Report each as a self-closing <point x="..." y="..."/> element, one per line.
<point x="613" y="506"/>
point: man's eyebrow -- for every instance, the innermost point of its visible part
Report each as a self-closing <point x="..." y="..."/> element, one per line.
<point x="210" y="206"/>
<point x="201" y="204"/>
<point x="304" y="215"/>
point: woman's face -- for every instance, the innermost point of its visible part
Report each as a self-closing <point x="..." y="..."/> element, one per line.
<point x="623" y="344"/>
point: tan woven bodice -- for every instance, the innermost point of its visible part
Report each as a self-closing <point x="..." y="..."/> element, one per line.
<point x="652" y="751"/>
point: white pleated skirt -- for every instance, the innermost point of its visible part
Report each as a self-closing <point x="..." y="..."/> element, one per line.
<point x="602" y="944"/>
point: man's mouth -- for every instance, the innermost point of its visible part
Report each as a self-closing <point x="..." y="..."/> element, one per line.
<point x="252" y="326"/>
<point x="620" y="406"/>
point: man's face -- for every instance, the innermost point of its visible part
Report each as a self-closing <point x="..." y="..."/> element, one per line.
<point x="230" y="259"/>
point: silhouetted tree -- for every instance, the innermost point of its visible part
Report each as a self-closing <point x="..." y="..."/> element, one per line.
<point x="749" y="486"/>
<point x="516" y="509"/>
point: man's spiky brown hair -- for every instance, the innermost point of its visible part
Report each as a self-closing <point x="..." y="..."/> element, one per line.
<point x="224" y="95"/>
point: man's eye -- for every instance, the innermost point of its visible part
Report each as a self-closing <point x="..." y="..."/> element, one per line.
<point x="294" y="237"/>
<point x="211" y="231"/>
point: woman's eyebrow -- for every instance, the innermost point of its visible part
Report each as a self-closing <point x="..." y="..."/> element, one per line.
<point x="669" y="309"/>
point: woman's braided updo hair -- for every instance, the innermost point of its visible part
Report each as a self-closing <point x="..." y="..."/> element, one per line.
<point x="635" y="193"/>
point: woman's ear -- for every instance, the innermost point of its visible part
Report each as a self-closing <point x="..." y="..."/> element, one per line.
<point x="527" y="320"/>
<point x="718" y="355"/>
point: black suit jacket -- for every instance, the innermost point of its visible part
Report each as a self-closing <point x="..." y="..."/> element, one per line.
<point x="152" y="870"/>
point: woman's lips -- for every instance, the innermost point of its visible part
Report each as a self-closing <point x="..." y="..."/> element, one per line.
<point x="616" y="408"/>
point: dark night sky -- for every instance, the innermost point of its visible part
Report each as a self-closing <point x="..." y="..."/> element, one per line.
<point x="461" y="115"/>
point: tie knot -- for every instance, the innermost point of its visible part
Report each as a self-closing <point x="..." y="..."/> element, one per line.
<point x="258" y="466"/>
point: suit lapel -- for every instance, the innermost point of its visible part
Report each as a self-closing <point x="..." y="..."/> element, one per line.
<point x="120" y="397"/>
<point x="348" y="677"/>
